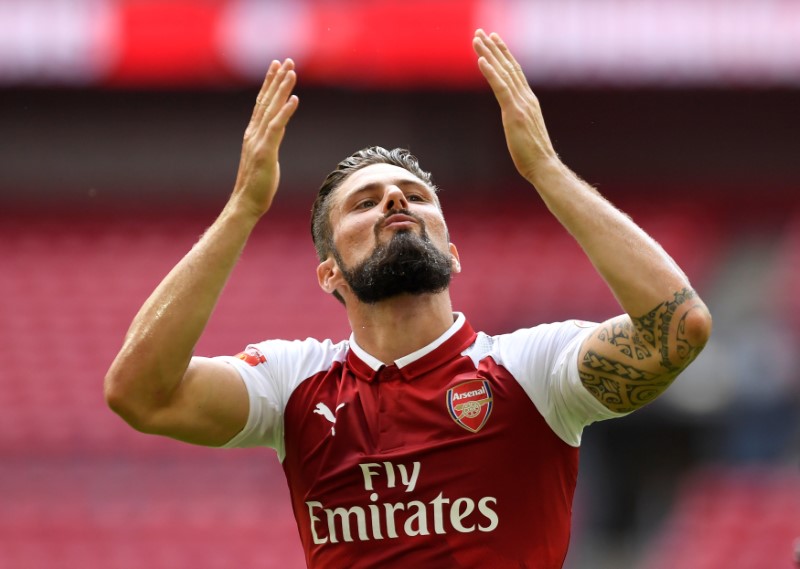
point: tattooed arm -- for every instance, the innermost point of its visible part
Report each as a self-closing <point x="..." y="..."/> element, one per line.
<point x="631" y="359"/>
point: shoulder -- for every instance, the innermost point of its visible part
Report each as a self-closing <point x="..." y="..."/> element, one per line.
<point x="272" y="371"/>
<point x="544" y="341"/>
<point x="543" y="361"/>
<point x="288" y="362"/>
<point x="528" y="341"/>
<point x="309" y="353"/>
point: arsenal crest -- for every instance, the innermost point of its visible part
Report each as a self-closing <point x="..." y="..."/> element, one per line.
<point x="470" y="404"/>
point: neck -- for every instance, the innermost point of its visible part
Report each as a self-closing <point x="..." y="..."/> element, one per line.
<point x="396" y="327"/>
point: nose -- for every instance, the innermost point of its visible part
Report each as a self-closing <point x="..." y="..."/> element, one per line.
<point x="394" y="199"/>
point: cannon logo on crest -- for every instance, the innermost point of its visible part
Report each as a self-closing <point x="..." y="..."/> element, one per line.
<point x="470" y="404"/>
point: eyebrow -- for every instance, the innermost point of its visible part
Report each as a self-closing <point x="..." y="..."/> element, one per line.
<point x="400" y="182"/>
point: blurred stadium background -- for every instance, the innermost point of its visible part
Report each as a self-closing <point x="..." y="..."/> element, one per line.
<point x="120" y="128"/>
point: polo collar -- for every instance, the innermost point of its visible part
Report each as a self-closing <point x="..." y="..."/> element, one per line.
<point x="454" y="340"/>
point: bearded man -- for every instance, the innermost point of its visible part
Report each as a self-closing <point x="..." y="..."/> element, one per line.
<point x="379" y="435"/>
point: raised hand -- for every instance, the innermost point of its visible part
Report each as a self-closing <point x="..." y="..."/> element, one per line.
<point x="259" y="170"/>
<point x="526" y="134"/>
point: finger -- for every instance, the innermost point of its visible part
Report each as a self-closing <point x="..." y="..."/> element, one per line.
<point x="272" y="88"/>
<point x="509" y="66"/>
<point x="511" y="63"/>
<point x="515" y="70"/>
<point x="485" y="48"/>
<point x="480" y="43"/>
<point x="279" y="98"/>
<point x="277" y="126"/>
<point x="491" y="43"/>
<point x="499" y="86"/>
<point x="271" y="72"/>
<point x="498" y="78"/>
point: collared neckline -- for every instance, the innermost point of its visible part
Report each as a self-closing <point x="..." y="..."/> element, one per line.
<point x="453" y="341"/>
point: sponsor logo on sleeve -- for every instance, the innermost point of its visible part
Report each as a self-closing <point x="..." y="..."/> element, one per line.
<point x="470" y="404"/>
<point x="252" y="356"/>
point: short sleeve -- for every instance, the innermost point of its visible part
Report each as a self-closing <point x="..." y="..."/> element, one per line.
<point x="271" y="371"/>
<point x="544" y="360"/>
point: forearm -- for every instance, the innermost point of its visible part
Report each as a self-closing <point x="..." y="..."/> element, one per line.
<point x="630" y="359"/>
<point x="636" y="268"/>
<point x="638" y="271"/>
<point x="159" y="344"/>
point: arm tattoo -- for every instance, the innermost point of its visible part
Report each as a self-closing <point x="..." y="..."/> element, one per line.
<point x="621" y="388"/>
<point x="622" y="335"/>
<point x="654" y="326"/>
<point x="644" y="368"/>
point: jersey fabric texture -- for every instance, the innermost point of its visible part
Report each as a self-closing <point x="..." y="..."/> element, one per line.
<point x="462" y="454"/>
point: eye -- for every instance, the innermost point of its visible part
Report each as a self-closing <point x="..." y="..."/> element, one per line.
<point x="415" y="198"/>
<point x="366" y="204"/>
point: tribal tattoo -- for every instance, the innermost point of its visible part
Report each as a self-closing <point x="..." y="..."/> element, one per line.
<point x="628" y="376"/>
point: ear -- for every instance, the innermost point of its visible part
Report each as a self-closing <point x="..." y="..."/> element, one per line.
<point x="328" y="275"/>
<point x="455" y="262"/>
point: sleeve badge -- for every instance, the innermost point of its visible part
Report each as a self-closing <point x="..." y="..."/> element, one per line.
<point x="252" y="356"/>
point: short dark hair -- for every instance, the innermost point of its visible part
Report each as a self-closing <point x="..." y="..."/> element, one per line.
<point x="321" y="229"/>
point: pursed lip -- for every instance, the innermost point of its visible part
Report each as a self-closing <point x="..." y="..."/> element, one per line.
<point x="399" y="220"/>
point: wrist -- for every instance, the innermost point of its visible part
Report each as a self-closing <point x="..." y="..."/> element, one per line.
<point x="243" y="210"/>
<point x="242" y="214"/>
<point x="547" y="172"/>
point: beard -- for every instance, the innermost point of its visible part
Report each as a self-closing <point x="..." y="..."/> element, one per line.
<point x="407" y="264"/>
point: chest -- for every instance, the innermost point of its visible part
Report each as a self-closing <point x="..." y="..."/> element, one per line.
<point x="458" y="423"/>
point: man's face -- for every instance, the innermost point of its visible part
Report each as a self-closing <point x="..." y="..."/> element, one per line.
<point x="389" y="234"/>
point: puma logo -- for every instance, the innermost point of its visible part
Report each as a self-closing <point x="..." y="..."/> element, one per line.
<point x="323" y="410"/>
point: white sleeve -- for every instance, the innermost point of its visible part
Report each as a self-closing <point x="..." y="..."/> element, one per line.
<point x="271" y="371"/>
<point x="544" y="360"/>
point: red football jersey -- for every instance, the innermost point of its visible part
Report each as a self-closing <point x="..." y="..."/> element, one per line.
<point x="462" y="454"/>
